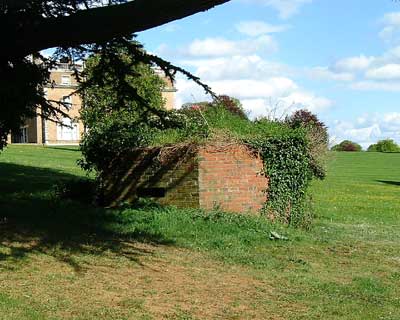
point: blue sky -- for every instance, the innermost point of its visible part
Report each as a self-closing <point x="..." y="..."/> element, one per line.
<point x="340" y="59"/>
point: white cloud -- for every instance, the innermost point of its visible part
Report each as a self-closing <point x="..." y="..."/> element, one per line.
<point x="257" y="28"/>
<point x="324" y="73"/>
<point x="217" y="47"/>
<point x="241" y="88"/>
<point x="368" y="129"/>
<point x="387" y="33"/>
<point x="386" y="72"/>
<point x="376" y="73"/>
<point x="278" y="107"/>
<point x="392" y="117"/>
<point x="188" y="91"/>
<point x="392" y="18"/>
<point x="376" y="86"/>
<point x="286" y="8"/>
<point x="280" y="95"/>
<point x="249" y="88"/>
<point x="392" y="54"/>
<point x="391" y="27"/>
<point x="258" y="83"/>
<point x="268" y="107"/>
<point x="237" y="67"/>
<point x="352" y="64"/>
<point x="308" y="100"/>
<point x="366" y="73"/>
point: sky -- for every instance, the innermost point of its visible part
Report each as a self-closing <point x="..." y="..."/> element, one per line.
<point x="339" y="59"/>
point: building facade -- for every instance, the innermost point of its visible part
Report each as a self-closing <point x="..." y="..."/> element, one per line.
<point x="67" y="130"/>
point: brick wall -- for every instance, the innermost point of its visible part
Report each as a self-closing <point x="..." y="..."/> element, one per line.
<point x="168" y="175"/>
<point x="227" y="177"/>
<point x="230" y="178"/>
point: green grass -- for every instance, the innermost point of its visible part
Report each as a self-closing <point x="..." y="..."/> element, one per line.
<point x="346" y="267"/>
<point x="362" y="188"/>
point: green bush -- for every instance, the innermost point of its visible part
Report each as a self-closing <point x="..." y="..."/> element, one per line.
<point x="110" y="137"/>
<point x="288" y="164"/>
<point x="372" y="148"/>
<point x="317" y="134"/>
<point x="387" y="145"/>
<point x="348" y="146"/>
<point x="230" y="104"/>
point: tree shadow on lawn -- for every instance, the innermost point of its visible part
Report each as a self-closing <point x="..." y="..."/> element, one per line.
<point x="393" y="183"/>
<point x="34" y="220"/>
<point x="71" y="148"/>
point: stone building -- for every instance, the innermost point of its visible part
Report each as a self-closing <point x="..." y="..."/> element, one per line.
<point x="69" y="130"/>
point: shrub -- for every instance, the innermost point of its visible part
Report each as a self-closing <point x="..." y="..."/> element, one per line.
<point x="232" y="105"/>
<point x="317" y="134"/>
<point x="347" y="145"/>
<point x="305" y="118"/>
<point x="110" y="137"/>
<point x="372" y="148"/>
<point x="288" y="164"/>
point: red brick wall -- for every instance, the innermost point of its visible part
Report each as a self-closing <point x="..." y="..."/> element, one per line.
<point x="230" y="178"/>
<point x="212" y="176"/>
<point x="172" y="170"/>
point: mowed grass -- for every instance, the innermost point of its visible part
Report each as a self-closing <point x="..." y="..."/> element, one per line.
<point x="64" y="259"/>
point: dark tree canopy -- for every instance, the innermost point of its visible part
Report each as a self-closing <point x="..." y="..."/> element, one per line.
<point x="78" y="28"/>
<point x="348" y="146"/>
<point x="33" y="25"/>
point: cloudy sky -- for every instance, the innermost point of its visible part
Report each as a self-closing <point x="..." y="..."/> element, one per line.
<point x="338" y="58"/>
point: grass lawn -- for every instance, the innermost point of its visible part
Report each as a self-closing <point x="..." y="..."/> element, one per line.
<point x="64" y="259"/>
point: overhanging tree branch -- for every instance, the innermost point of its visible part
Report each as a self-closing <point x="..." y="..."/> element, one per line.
<point x="99" y="24"/>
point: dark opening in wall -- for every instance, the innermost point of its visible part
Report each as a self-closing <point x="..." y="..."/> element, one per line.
<point x="151" y="192"/>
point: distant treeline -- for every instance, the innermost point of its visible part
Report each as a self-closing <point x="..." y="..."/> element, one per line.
<point x="386" y="145"/>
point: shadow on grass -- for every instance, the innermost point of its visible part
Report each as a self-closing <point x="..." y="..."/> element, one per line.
<point x="393" y="183"/>
<point x="72" y="148"/>
<point x="33" y="220"/>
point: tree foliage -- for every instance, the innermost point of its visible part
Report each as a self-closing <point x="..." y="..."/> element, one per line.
<point x="78" y="28"/>
<point x="122" y="100"/>
<point x="386" y="145"/>
<point x="18" y="99"/>
<point x="33" y="25"/>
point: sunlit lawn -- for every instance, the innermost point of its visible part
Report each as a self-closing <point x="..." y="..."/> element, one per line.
<point x="64" y="259"/>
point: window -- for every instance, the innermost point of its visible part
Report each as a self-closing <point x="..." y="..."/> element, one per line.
<point x="67" y="130"/>
<point x="67" y="100"/>
<point x="21" y="136"/>
<point x="65" y="80"/>
<point x="24" y="135"/>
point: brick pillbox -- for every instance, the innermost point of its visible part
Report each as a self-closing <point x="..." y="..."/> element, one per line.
<point x="224" y="176"/>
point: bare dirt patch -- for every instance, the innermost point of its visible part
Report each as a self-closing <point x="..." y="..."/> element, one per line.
<point x="160" y="283"/>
